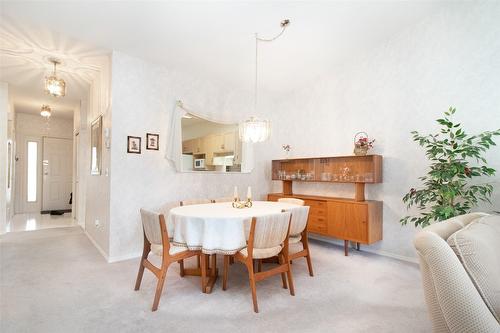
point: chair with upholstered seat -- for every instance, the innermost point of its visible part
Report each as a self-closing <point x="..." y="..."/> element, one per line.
<point x="156" y="240"/>
<point x="294" y="201"/>
<point x="195" y="202"/>
<point x="268" y="237"/>
<point x="223" y="199"/>
<point x="298" y="240"/>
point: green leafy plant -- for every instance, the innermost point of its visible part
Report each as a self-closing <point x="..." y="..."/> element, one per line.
<point x="456" y="158"/>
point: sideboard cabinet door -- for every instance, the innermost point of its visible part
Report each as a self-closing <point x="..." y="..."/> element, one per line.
<point x="356" y="222"/>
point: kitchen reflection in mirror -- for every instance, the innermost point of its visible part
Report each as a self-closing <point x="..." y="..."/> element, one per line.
<point x="210" y="146"/>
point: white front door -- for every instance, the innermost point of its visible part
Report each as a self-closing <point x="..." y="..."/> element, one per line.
<point x="57" y="168"/>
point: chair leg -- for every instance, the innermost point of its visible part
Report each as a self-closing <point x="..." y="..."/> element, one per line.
<point x="309" y="264"/>
<point x="251" y="279"/>
<point x="159" y="287"/>
<point x="139" y="275"/>
<point x="181" y="268"/>
<point x="231" y="260"/>
<point x="203" y="259"/>
<point x="225" y="272"/>
<point x="290" y="278"/>
<point x="283" y="275"/>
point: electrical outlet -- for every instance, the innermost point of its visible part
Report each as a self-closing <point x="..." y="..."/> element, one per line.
<point x="97" y="223"/>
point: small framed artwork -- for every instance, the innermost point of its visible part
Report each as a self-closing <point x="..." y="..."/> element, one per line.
<point x="152" y="141"/>
<point x="134" y="144"/>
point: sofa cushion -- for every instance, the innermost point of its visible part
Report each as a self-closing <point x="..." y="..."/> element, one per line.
<point x="478" y="247"/>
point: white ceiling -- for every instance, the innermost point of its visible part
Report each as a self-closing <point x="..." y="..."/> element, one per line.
<point x="216" y="39"/>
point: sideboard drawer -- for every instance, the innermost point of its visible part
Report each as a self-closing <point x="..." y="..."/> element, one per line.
<point x="317" y="224"/>
<point x="318" y="211"/>
<point x="315" y="203"/>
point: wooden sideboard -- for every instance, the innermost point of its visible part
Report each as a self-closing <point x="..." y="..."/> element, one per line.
<point x="350" y="219"/>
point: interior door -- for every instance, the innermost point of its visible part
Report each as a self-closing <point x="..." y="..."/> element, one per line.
<point x="57" y="173"/>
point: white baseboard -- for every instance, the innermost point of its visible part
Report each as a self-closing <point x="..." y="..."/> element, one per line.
<point x="366" y="249"/>
<point x="101" y="251"/>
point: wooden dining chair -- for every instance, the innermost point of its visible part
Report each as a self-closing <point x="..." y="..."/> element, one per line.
<point x="294" y="201"/>
<point x="224" y="199"/>
<point x="298" y="240"/>
<point x="156" y="240"/>
<point x="195" y="202"/>
<point x="268" y="237"/>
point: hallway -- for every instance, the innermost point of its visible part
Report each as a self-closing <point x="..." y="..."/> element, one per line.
<point x="37" y="221"/>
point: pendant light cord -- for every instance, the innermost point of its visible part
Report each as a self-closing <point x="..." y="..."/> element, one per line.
<point x="258" y="39"/>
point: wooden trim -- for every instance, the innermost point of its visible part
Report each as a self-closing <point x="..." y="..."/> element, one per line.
<point x="359" y="192"/>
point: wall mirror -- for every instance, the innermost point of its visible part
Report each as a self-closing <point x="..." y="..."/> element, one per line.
<point x="96" y="146"/>
<point x="213" y="146"/>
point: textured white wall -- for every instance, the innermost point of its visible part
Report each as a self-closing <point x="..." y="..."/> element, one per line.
<point x="144" y="96"/>
<point x="95" y="190"/>
<point x="4" y="107"/>
<point x="35" y="125"/>
<point x="450" y="59"/>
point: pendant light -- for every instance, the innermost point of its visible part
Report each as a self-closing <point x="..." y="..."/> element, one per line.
<point x="45" y="111"/>
<point x="254" y="129"/>
<point x="55" y="86"/>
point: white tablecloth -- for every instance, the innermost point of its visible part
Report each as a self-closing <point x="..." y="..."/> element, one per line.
<point x="218" y="227"/>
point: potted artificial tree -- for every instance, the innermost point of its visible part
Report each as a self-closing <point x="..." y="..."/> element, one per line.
<point x="456" y="158"/>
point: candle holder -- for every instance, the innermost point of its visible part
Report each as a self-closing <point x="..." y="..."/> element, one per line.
<point x="242" y="204"/>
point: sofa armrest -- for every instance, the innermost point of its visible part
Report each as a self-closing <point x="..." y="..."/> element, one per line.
<point x="452" y="299"/>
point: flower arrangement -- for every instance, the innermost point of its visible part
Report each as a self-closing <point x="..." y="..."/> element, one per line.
<point x="362" y="144"/>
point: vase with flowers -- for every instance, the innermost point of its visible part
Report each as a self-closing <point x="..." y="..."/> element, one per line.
<point x="362" y="144"/>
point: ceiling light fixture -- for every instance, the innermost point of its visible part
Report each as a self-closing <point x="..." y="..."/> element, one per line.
<point x="45" y="111"/>
<point x="55" y="86"/>
<point x="254" y="129"/>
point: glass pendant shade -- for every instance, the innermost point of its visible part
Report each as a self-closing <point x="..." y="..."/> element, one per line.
<point x="45" y="111"/>
<point x="54" y="86"/>
<point x="254" y="130"/>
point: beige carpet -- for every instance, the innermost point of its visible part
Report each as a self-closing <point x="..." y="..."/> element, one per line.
<point x="54" y="280"/>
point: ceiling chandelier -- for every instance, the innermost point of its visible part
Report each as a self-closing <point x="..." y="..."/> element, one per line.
<point x="254" y="129"/>
<point x="53" y="85"/>
<point x="45" y="111"/>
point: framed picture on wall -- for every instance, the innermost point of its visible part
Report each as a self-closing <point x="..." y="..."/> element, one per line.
<point x="152" y="141"/>
<point x="133" y="144"/>
<point x="96" y="146"/>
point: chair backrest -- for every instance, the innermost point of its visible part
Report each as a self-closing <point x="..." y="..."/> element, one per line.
<point x="195" y="202"/>
<point x="165" y="210"/>
<point x="151" y="222"/>
<point x="299" y="219"/>
<point x="453" y="300"/>
<point x="294" y="201"/>
<point x="224" y="199"/>
<point x="270" y="230"/>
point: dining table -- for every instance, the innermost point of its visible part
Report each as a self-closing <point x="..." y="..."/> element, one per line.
<point x="216" y="228"/>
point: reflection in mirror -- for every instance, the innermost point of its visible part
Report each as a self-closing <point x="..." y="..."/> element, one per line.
<point x="211" y="146"/>
<point x="96" y="146"/>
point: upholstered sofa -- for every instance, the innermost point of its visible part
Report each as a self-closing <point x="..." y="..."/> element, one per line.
<point x="460" y="265"/>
